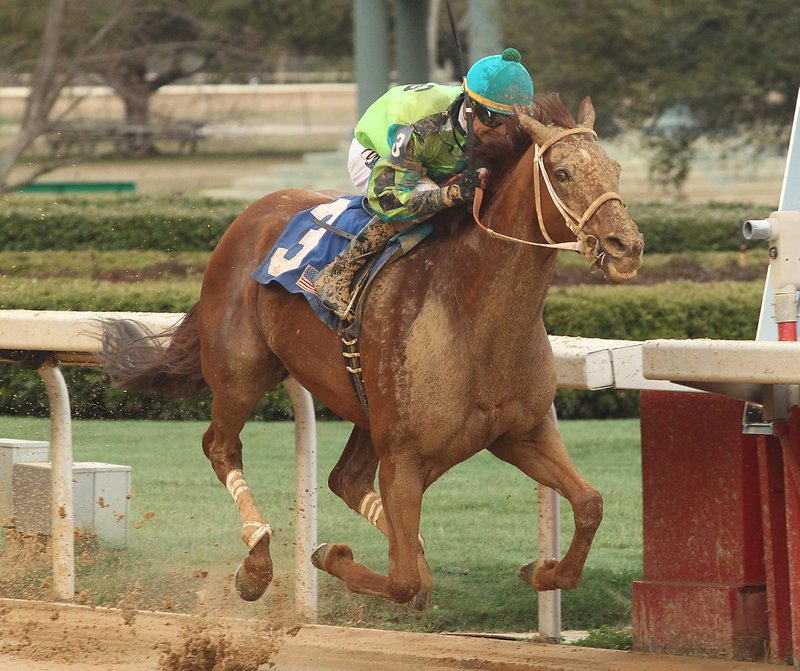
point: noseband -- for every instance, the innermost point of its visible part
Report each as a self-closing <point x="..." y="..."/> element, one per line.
<point x="574" y="222"/>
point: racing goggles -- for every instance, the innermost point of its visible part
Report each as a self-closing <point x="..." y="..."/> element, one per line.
<point x="487" y="117"/>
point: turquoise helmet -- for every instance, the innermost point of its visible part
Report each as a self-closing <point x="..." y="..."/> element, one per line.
<point x="500" y="82"/>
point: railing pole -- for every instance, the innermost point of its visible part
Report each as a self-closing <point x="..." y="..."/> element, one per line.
<point x="305" y="500"/>
<point x="549" y="547"/>
<point x="61" y="511"/>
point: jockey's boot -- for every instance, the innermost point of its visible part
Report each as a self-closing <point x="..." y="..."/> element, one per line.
<point x="334" y="281"/>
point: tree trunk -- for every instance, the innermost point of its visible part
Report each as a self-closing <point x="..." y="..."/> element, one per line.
<point x="45" y="90"/>
<point x="131" y="84"/>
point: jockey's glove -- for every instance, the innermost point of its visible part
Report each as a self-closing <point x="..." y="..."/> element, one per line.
<point x="462" y="191"/>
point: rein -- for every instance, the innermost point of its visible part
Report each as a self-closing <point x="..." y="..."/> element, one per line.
<point x="574" y="222"/>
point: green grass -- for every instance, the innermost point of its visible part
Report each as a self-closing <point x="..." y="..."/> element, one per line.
<point x="94" y="264"/>
<point x="606" y="637"/>
<point x="479" y="523"/>
<point x="138" y="265"/>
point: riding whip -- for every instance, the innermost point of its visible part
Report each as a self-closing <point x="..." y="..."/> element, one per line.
<point x="468" y="110"/>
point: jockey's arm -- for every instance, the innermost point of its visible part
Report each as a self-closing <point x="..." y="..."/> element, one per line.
<point x="399" y="189"/>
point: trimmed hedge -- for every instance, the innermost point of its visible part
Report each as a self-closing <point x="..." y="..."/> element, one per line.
<point x="91" y="397"/>
<point x="184" y="223"/>
<point x="82" y="294"/>
<point x="723" y="310"/>
<point x="114" y="222"/>
<point x="685" y="227"/>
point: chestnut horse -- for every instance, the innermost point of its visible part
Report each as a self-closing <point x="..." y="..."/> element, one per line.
<point x="454" y="353"/>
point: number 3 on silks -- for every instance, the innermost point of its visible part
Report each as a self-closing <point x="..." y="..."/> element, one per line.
<point x="289" y="258"/>
<point x="285" y="259"/>
<point x="399" y="143"/>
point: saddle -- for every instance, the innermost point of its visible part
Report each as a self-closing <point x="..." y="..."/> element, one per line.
<point x="310" y="241"/>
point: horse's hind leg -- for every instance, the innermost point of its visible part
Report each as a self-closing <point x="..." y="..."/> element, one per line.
<point x="353" y="481"/>
<point x="236" y="391"/>
<point x="402" y="485"/>
<point x="543" y="457"/>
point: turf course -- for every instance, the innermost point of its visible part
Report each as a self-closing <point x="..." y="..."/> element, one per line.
<point x="479" y="522"/>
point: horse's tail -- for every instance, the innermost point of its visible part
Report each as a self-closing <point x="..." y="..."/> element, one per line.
<point x="137" y="359"/>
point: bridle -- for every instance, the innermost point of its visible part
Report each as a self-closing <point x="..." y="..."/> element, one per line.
<point x="574" y="222"/>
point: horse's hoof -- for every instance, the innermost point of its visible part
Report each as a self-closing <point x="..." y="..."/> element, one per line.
<point x="327" y="557"/>
<point x="254" y="574"/>
<point x="540" y="574"/>
<point x="423" y="599"/>
<point x="421" y="602"/>
<point x="318" y="556"/>
<point x="246" y="590"/>
<point x="525" y="573"/>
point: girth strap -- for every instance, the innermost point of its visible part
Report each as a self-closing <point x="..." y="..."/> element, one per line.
<point x="352" y="361"/>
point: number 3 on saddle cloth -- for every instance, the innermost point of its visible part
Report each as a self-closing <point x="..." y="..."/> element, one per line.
<point x="314" y="237"/>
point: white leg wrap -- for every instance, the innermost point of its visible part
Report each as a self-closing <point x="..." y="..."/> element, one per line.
<point x="236" y="484"/>
<point x="371" y="507"/>
<point x="262" y="529"/>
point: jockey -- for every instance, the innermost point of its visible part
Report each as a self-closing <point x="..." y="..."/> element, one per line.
<point x="408" y="145"/>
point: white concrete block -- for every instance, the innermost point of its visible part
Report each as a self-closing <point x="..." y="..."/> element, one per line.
<point x="12" y="452"/>
<point x="101" y="499"/>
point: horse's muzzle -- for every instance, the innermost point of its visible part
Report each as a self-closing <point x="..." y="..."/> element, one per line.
<point x="619" y="255"/>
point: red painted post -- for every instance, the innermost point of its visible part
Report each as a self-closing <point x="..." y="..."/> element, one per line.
<point x="776" y="559"/>
<point x="703" y="588"/>
<point x="791" y="471"/>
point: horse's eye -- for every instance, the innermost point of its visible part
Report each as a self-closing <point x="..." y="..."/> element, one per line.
<point x="561" y="175"/>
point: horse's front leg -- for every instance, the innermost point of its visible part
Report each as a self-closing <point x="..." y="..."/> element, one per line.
<point x="541" y="455"/>
<point x="353" y="480"/>
<point x="402" y="487"/>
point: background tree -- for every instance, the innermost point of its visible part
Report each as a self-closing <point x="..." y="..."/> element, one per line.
<point x="50" y="74"/>
<point x="677" y="70"/>
<point x="680" y="70"/>
<point x="158" y="42"/>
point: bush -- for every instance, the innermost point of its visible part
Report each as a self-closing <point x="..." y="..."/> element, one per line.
<point x="116" y="222"/>
<point x="187" y="223"/>
<point x="91" y="397"/>
<point x="722" y="310"/>
<point x="685" y="227"/>
<point x="81" y="294"/>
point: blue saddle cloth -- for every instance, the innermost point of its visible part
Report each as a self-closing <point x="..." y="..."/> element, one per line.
<point x="314" y="237"/>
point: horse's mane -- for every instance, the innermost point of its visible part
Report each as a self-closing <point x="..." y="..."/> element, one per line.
<point x="503" y="153"/>
<point x="551" y="111"/>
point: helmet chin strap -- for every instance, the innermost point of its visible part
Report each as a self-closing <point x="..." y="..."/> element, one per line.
<point x="469" y="114"/>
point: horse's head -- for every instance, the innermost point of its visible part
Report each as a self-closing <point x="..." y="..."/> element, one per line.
<point x="582" y="181"/>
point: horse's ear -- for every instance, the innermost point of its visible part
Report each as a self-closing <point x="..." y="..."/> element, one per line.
<point x="586" y="114"/>
<point x="537" y="131"/>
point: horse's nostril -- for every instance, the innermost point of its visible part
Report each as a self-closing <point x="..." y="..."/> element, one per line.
<point x="614" y="246"/>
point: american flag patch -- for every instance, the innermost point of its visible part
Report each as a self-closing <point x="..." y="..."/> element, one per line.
<point x="306" y="280"/>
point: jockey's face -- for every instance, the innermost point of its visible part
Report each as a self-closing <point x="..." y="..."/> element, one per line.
<point x="487" y="124"/>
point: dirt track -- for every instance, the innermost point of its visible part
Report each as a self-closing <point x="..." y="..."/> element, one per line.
<point x="37" y="636"/>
